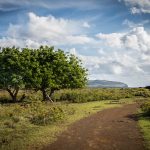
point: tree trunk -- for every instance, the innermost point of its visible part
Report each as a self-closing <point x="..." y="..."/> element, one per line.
<point x="44" y="94"/>
<point x="52" y="92"/>
<point x="13" y="94"/>
<point x="46" y="97"/>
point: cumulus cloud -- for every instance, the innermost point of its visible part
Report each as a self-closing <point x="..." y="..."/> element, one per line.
<point x="48" y="30"/>
<point x="86" y="25"/>
<point x="122" y="66"/>
<point x="112" y="39"/>
<point x="138" y="6"/>
<point x="125" y="57"/>
<point x="137" y="39"/>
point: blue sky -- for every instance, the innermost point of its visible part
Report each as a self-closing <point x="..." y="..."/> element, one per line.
<point x="111" y="37"/>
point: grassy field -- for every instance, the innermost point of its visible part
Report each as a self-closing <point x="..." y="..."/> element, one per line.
<point x="33" y="124"/>
<point x="17" y="132"/>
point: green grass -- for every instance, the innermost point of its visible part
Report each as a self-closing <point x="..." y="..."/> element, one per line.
<point x="97" y="94"/>
<point x="144" y="123"/>
<point x="23" y="134"/>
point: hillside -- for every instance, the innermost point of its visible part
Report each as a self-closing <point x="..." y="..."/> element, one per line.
<point x="106" y="84"/>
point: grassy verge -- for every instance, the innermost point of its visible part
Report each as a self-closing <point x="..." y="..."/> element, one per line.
<point x="144" y="123"/>
<point x="24" y="135"/>
<point x="74" y="112"/>
<point x="29" y="136"/>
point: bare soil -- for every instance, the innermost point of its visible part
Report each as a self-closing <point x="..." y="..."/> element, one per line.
<point x="110" y="129"/>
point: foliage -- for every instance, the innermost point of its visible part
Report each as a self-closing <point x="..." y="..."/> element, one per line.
<point x="43" y="69"/>
<point x="146" y="108"/>
<point x="53" y="70"/>
<point x="11" y="78"/>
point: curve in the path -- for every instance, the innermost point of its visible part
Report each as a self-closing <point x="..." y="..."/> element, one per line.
<point x="111" y="129"/>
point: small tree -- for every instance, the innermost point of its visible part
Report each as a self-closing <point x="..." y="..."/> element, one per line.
<point x="11" y="78"/>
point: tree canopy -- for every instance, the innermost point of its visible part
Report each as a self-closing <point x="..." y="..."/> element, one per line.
<point x="43" y="69"/>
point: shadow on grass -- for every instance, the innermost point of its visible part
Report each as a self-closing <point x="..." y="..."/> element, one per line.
<point x="138" y="116"/>
<point x="5" y="101"/>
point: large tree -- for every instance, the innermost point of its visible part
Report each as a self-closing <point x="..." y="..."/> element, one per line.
<point x="53" y="70"/>
<point x="43" y="69"/>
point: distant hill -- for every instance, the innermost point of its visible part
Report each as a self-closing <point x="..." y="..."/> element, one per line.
<point x="106" y="84"/>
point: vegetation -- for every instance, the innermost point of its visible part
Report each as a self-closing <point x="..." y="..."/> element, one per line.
<point x="11" y="78"/>
<point x="19" y="121"/>
<point x="38" y="123"/>
<point x="98" y="94"/>
<point x="42" y="69"/>
<point x="144" y="122"/>
<point x="81" y="95"/>
<point x="146" y="108"/>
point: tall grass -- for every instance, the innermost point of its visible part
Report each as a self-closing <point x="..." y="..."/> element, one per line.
<point x="18" y="121"/>
<point x="82" y="95"/>
<point x="98" y="94"/>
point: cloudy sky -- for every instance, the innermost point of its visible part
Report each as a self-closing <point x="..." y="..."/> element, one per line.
<point x="111" y="37"/>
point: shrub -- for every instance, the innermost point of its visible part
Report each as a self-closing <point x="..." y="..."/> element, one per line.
<point x="39" y="114"/>
<point x="146" y="108"/>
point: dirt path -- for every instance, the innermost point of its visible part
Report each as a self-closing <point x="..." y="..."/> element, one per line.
<point x="111" y="129"/>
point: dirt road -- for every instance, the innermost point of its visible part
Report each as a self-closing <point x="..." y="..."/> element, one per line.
<point x="111" y="129"/>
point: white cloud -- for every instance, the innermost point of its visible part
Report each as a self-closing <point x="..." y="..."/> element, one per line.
<point x="86" y="25"/>
<point x="121" y="66"/>
<point x="138" y="6"/>
<point x="117" y="69"/>
<point x="50" y="30"/>
<point x="112" y="39"/>
<point x="137" y="39"/>
<point x="125" y="57"/>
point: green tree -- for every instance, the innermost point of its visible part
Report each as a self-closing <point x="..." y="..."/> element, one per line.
<point x="11" y="78"/>
<point x="43" y="69"/>
<point x="53" y="70"/>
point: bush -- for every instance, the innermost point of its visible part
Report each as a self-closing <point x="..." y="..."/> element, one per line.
<point x="146" y="108"/>
<point x="37" y="112"/>
<point x="18" y="121"/>
<point x="41" y="115"/>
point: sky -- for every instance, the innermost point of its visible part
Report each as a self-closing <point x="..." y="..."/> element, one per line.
<point x="111" y="37"/>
